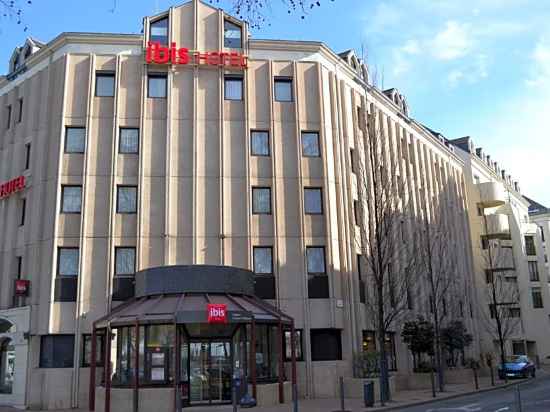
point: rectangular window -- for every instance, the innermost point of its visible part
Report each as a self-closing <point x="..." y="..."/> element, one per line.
<point x="75" y="139"/>
<point x="87" y="350"/>
<point x="536" y="293"/>
<point x="157" y="85"/>
<point x="313" y="201"/>
<point x="126" y="199"/>
<point x="67" y="261"/>
<point x="357" y="217"/>
<point x="530" y="249"/>
<point x="8" y="117"/>
<point x="105" y="84"/>
<point x="283" y="89"/>
<point x="484" y="243"/>
<point x="27" y="156"/>
<point x="533" y="271"/>
<point x="514" y="313"/>
<point x="259" y="143"/>
<point x="352" y="160"/>
<point x="261" y="200"/>
<point x="326" y="345"/>
<point x="128" y="140"/>
<point x="71" y="199"/>
<point x="23" y="211"/>
<point x="362" y="285"/>
<point x="125" y="261"/>
<point x="316" y="260"/>
<point x="56" y="351"/>
<point x="263" y="260"/>
<point x="232" y="35"/>
<point x="159" y="31"/>
<point x="298" y="353"/>
<point x="310" y="144"/>
<point x="233" y="87"/>
<point x="20" y="111"/>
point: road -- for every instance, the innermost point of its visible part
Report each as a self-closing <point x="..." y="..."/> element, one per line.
<point x="535" y="396"/>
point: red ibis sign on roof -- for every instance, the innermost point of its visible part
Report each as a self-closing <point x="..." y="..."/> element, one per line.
<point x="159" y="54"/>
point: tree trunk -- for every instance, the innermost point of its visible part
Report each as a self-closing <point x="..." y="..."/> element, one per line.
<point x="438" y="357"/>
<point x="384" y="375"/>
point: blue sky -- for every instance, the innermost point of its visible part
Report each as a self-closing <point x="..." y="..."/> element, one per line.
<point x="478" y="68"/>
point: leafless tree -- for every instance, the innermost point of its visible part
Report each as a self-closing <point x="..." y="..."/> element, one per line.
<point x="388" y="245"/>
<point x="13" y="10"/>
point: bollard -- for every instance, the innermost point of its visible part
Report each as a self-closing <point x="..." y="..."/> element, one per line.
<point x="432" y="379"/>
<point x="518" y="399"/>
<point x="234" y="395"/>
<point x="476" y="379"/>
<point x="342" y="405"/>
<point x="295" y="397"/>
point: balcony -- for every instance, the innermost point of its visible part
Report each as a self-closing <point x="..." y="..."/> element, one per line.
<point x="498" y="226"/>
<point x="503" y="260"/>
<point x="491" y="194"/>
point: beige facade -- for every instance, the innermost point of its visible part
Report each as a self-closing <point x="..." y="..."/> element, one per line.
<point x="195" y="173"/>
<point x="501" y="228"/>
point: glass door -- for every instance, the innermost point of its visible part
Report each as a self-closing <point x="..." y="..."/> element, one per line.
<point x="198" y="368"/>
<point x="220" y="371"/>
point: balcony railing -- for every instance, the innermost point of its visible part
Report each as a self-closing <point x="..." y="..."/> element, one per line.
<point x="491" y="194"/>
<point x="498" y="226"/>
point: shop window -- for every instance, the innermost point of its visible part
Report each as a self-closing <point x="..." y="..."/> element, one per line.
<point x="536" y="294"/>
<point x="159" y="31"/>
<point x="128" y="140"/>
<point x="56" y="351"/>
<point x="533" y="271"/>
<point x="105" y="84"/>
<point x="530" y="249"/>
<point x="370" y="344"/>
<point x="233" y="87"/>
<point x="316" y="270"/>
<point x="20" y="111"/>
<point x="259" y="143"/>
<point x="75" y="139"/>
<point x="326" y="345"/>
<point x="310" y="144"/>
<point x="126" y="199"/>
<point x="71" y="199"/>
<point x="87" y="350"/>
<point x="298" y="353"/>
<point x="261" y="200"/>
<point x="157" y="84"/>
<point x="283" y="89"/>
<point x="267" y="355"/>
<point x="27" y="156"/>
<point x="313" y="201"/>
<point x="7" y="366"/>
<point x="8" y="116"/>
<point x="264" y="283"/>
<point x="232" y="35"/>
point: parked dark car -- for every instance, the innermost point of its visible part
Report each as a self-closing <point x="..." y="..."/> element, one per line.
<point x="517" y="366"/>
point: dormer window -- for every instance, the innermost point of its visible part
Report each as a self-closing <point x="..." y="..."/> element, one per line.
<point x="232" y="35"/>
<point x="159" y="31"/>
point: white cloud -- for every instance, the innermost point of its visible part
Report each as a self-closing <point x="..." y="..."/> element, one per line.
<point x="411" y="47"/>
<point x="453" y="42"/>
<point x="540" y="74"/>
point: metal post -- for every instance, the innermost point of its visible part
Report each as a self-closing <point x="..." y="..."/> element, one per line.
<point x="177" y="369"/>
<point x="475" y="378"/>
<point x="293" y="357"/>
<point x="432" y="378"/>
<point x="253" y="356"/>
<point x="492" y="376"/>
<point x="518" y="399"/>
<point x="234" y="394"/>
<point x="108" y="369"/>
<point x="342" y="402"/>
<point x="136" y="370"/>
<point x="91" y="400"/>
<point x="281" y="364"/>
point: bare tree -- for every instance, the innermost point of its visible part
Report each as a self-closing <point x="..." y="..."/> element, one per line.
<point x="387" y="242"/>
<point x="502" y="317"/>
<point x="13" y="10"/>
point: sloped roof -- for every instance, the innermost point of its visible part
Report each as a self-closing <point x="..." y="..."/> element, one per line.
<point x="535" y="208"/>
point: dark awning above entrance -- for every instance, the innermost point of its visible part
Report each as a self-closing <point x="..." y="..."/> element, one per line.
<point x="181" y="294"/>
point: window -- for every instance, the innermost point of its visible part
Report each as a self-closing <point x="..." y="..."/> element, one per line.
<point x="233" y="87"/>
<point x="313" y="201"/>
<point x="23" y="211"/>
<point x="476" y="179"/>
<point x="126" y="199"/>
<point x="533" y="271"/>
<point x="8" y="117"/>
<point x="27" y="156"/>
<point x="489" y="276"/>
<point x="159" y="31"/>
<point x="261" y="200"/>
<point x="484" y="243"/>
<point x="129" y="140"/>
<point x="56" y="351"/>
<point x="75" y="139"/>
<point x="259" y="143"/>
<point x="357" y="217"/>
<point x="530" y="246"/>
<point x="362" y="285"/>
<point x="479" y="211"/>
<point x="20" y="111"/>
<point x="267" y="355"/>
<point x="87" y="350"/>
<point x="536" y="293"/>
<point x="298" y="353"/>
<point x="157" y="85"/>
<point x="326" y="345"/>
<point x="232" y="35"/>
<point x="125" y="261"/>
<point x="352" y="160"/>
<point x="71" y="199"/>
<point x="67" y="261"/>
<point x="316" y="260"/>
<point x="310" y="144"/>
<point x="105" y="84"/>
<point x="283" y="89"/>
<point x="124" y="340"/>
<point x="541" y="229"/>
<point x="370" y="344"/>
<point x="263" y="260"/>
<point x="514" y="313"/>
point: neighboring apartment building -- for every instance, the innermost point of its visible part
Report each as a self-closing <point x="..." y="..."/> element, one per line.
<point x="508" y="253"/>
<point x="540" y="215"/>
<point x="116" y="161"/>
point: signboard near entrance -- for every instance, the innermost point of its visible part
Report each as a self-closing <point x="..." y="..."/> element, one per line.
<point x="22" y="287"/>
<point x="217" y="313"/>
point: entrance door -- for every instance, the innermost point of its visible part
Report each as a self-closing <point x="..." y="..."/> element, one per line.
<point x="210" y="371"/>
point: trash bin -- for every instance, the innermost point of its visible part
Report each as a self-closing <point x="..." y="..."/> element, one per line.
<point x="368" y="393"/>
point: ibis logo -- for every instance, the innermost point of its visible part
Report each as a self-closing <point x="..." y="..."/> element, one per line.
<point x="217" y="313"/>
<point x="158" y="54"/>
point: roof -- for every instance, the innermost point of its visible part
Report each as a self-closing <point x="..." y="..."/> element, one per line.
<point x="536" y="208"/>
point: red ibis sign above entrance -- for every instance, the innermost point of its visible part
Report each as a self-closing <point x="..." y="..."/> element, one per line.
<point x="217" y="313"/>
<point x="11" y="187"/>
<point x="159" y="54"/>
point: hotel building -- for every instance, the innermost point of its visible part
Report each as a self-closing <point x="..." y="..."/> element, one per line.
<point x="119" y="157"/>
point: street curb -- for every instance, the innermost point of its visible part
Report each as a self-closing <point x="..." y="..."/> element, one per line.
<point x="446" y="398"/>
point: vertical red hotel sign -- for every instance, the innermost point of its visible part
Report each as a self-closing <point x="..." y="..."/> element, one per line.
<point x="217" y="313"/>
<point x="12" y="186"/>
<point x="159" y="54"/>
